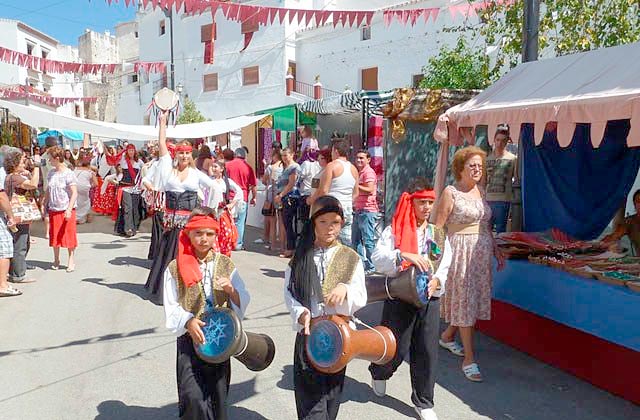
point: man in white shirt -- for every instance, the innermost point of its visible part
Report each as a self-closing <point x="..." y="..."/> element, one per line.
<point x="340" y="180"/>
<point x="412" y="241"/>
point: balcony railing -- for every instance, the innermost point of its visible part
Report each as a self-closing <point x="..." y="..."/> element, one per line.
<point x="306" y="89"/>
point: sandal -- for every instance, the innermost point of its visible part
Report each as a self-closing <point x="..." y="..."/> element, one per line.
<point x="452" y="346"/>
<point x="71" y="269"/>
<point x="25" y="280"/>
<point x="472" y="372"/>
<point x="10" y="292"/>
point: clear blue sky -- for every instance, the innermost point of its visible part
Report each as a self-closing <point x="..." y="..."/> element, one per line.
<point x="66" y="20"/>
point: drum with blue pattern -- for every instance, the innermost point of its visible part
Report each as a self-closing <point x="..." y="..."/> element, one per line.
<point x="324" y="343"/>
<point x="422" y="283"/>
<point x="222" y="331"/>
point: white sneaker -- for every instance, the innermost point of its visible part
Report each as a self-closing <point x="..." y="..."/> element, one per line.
<point x="379" y="387"/>
<point x="426" y="413"/>
<point x="259" y="241"/>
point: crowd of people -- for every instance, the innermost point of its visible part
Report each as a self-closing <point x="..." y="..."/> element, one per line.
<point x="321" y="212"/>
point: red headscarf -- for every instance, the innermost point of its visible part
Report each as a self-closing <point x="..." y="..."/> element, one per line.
<point x="188" y="265"/>
<point x="113" y="160"/>
<point x="404" y="224"/>
<point x="172" y="149"/>
<point x="184" y="148"/>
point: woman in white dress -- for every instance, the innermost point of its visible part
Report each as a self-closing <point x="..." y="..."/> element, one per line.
<point x="86" y="180"/>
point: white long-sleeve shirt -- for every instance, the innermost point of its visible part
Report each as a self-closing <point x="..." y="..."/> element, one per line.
<point x="168" y="180"/>
<point x="153" y="176"/>
<point x="176" y="316"/>
<point x="385" y="257"/>
<point x="356" y="291"/>
<point x="217" y="191"/>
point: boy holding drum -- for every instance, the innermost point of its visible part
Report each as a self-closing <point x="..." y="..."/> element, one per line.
<point x="321" y="263"/>
<point x="197" y="281"/>
<point x="412" y="240"/>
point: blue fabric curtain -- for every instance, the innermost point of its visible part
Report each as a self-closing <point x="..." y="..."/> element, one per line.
<point x="579" y="188"/>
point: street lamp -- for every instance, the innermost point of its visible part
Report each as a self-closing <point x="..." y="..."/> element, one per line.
<point x="179" y="89"/>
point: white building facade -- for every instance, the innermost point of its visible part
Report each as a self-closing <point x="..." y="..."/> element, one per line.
<point x="236" y="83"/>
<point x="377" y="57"/>
<point x="20" y="37"/>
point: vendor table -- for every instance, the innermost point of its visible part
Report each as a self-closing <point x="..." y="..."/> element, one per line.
<point x="584" y="326"/>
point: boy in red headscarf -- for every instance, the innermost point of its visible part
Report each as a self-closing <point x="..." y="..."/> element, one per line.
<point x="412" y="240"/>
<point x="198" y="280"/>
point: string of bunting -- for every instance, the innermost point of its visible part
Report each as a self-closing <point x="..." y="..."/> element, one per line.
<point x="46" y="65"/>
<point x="51" y="101"/>
<point x="264" y="15"/>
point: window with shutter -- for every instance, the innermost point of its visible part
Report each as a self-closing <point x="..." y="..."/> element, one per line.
<point x="250" y="76"/>
<point x="365" y="33"/>
<point x="249" y="26"/>
<point x="369" y="78"/>
<point x="208" y="32"/>
<point x="210" y="82"/>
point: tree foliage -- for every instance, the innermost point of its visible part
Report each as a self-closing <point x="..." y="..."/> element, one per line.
<point x="566" y="27"/>
<point x="189" y="113"/>
<point x="456" y="68"/>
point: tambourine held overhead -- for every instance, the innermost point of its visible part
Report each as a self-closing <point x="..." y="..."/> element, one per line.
<point x="225" y="338"/>
<point x="409" y="286"/>
<point x="165" y="100"/>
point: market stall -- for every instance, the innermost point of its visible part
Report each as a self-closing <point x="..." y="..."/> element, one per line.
<point x="563" y="297"/>
<point x="408" y="147"/>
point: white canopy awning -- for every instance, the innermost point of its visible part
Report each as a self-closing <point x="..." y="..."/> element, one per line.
<point x="592" y="87"/>
<point x="39" y="117"/>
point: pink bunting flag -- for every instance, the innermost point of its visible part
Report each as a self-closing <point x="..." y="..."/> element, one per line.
<point x="263" y="16"/>
<point x="352" y="18"/>
<point x="282" y="13"/>
<point x="434" y="14"/>
<point x="225" y="9"/>
<point x="324" y="17"/>
<point x="273" y="12"/>
<point x="309" y="15"/>
<point x="245" y="14"/>
<point x="292" y="15"/>
<point x="337" y="16"/>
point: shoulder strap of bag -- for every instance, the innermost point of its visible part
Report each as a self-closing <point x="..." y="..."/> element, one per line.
<point x="9" y="191"/>
<point x="227" y="188"/>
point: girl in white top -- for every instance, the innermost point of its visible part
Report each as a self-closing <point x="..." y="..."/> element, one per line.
<point x="219" y="189"/>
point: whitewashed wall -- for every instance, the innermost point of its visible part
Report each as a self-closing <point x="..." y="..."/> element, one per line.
<point x="399" y="51"/>
<point x="61" y="85"/>
<point x="267" y="50"/>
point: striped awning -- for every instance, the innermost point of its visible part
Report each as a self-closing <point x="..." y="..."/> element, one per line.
<point x="348" y="103"/>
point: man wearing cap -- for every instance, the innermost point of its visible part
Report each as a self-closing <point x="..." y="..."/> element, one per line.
<point x="242" y="174"/>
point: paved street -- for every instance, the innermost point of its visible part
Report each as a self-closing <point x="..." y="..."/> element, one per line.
<point x="88" y="345"/>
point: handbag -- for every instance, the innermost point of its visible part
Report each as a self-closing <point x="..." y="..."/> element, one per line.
<point x="291" y="199"/>
<point x="25" y="209"/>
